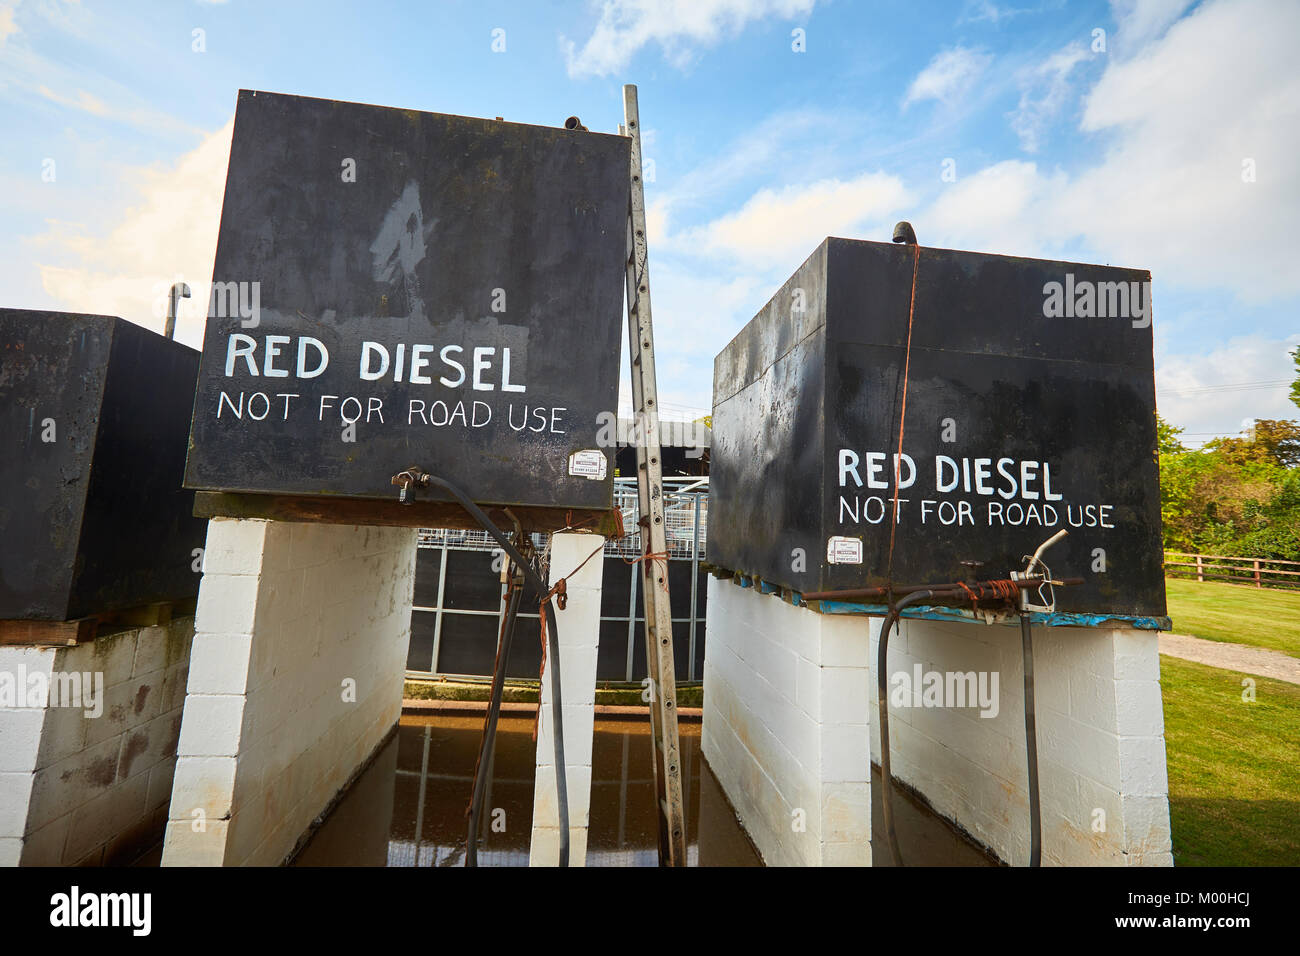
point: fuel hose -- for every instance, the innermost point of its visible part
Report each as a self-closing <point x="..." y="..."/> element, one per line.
<point x="892" y="618"/>
<point x="534" y="580"/>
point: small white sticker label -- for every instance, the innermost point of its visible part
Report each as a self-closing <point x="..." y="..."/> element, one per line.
<point x="841" y="550"/>
<point x="589" y="463"/>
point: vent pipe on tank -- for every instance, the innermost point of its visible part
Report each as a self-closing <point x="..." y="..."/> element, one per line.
<point x="179" y="290"/>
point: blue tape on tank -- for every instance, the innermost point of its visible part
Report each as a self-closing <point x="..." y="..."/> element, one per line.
<point x="939" y="613"/>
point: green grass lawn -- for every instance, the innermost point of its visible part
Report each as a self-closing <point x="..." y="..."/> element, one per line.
<point x="1232" y="612"/>
<point x="1234" y="767"/>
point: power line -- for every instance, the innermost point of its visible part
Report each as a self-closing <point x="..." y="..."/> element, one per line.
<point x="1234" y="387"/>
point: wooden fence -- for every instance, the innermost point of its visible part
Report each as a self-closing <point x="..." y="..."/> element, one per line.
<point x="1260" y="572"/>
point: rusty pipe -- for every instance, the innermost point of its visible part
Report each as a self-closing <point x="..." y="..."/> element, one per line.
<point x="940" y="590"/>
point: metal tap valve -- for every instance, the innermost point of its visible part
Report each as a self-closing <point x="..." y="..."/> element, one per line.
<point x="412" y="477"/>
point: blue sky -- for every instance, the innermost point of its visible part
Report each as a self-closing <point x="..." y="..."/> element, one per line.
<point x="1158" y="134"/>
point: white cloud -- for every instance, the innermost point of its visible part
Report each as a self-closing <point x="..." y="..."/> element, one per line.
<point x="781" y="227"/>
<point x="66" y="80"/>
<point x="678" y="26"/>
<point x="1043" y="92"/>
<point x="985" y="11"/>
<point x="1178" y="120"/>
<point x="948" y="75"/>
<point x="168" y="233"/>
<point x="1166" y="193"/>
<point x="695" y="315"/>
<point x="1141" y="21"/>
<point x="1001" y="208"/>
<point x="778" y="141"/>
<point x="70" y="17"/>
<point x="1189" y="387"/>
<point x="1185" y="115"/>
<point x="699" y="308"/>
<point x="656" y="221"/>
<point x="82" y="101"/>
<point x="7" y="25"/>
<point x="979" y="11"/>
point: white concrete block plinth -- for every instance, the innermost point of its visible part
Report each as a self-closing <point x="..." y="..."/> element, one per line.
<point x="789" y="693"/>
<point x="296" y="677"/>
<point x="1103" y="787"/>
<point x="88" y="745"/>
<point x="786" y="726"/>
<point x="579" y="633"/>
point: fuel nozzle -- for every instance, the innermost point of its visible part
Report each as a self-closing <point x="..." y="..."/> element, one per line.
<point x="1046" y="592"/>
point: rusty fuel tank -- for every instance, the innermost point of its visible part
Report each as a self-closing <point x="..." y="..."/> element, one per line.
<point x="94" y="413"/>
<point x="1030" y="407"/>
<point x="397" y="288"/>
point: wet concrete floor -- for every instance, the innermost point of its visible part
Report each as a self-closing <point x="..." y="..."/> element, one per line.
<point x="388" y="818"/>
<point x="924" y="839"/>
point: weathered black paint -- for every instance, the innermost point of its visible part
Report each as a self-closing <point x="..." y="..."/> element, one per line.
<point x="793" y="388"/>
<point x="444" y="210"/>
<point x="95" y="520"/>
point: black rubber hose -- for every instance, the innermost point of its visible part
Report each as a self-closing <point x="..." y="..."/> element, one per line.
<point x="486" y="747"/>
<point x="1031" y="745"/>
<point x="882" y="704"/>
<point x="534" y="581"/>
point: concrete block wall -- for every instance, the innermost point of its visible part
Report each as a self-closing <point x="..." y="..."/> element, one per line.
<point x="296" y="678"/>
<point x="785" y="689"/>
<point x="578" y="628"/>
<point x="88" y="789"/>
<point x="1103" y="786"/>
<point x="786" y="726"/>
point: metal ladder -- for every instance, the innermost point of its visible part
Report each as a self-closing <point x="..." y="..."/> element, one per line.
<point x="654" y="571"/>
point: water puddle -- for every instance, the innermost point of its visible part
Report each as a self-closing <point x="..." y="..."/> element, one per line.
<point x="408" y="807"/>
<point x="388" y="818"/>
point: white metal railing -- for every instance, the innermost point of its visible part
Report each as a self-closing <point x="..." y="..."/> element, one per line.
<point x="686" y="516"/>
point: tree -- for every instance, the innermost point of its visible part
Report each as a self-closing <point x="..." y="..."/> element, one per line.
<point x="1281" y="439"/>
<point x="1167" y="441"/>
<point x="1271" y="443"/>
<point x="1295" y="386"/>
<point x="1213" y="504"/>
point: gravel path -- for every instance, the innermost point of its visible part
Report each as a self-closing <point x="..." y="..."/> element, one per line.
<point x="1233" y="657"/>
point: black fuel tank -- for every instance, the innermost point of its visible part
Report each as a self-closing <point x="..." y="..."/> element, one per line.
<point x="1030" y="407"/>
<point x="450" y="287"/>
<point x="94" y="414"/>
